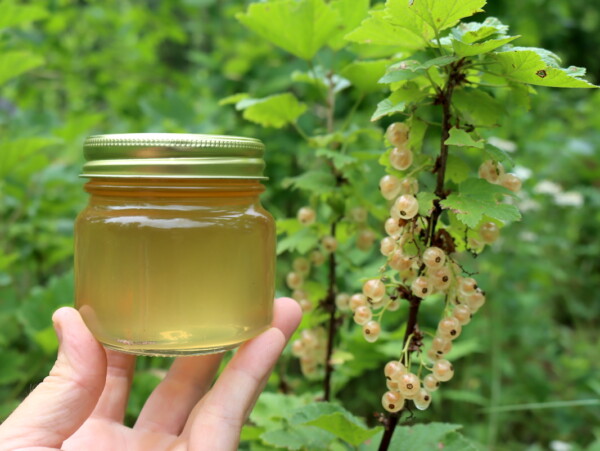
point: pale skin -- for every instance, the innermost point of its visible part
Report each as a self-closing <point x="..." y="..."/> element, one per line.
<point x="81" y="404"/>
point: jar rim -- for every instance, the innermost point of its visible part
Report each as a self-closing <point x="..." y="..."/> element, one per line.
<point x="173" y="155"/>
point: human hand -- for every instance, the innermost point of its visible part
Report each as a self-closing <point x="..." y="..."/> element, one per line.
<point x="81" y="404"/>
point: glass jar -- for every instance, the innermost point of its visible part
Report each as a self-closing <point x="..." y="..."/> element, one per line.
<point x="174" y="254"/>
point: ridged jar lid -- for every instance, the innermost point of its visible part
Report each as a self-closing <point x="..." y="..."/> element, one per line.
<point x="173" y="155"/>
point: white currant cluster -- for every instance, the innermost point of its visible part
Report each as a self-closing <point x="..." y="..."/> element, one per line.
<point x="311" y="349"/>
<point x="494" y="172"/>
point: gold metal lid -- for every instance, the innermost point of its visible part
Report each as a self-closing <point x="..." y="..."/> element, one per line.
<point x="173" y="155"/>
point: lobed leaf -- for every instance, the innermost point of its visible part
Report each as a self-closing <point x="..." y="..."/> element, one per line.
<point x="274" y="111"/>
<point x="16" y="62"/>
<point x="459" y="137"/>
<point x="351" y="13"/>
<point x="13" y="14"/>
<point x="365" y="75"/>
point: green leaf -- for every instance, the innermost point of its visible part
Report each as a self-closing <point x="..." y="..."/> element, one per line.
<point x="458" y="442"/>
<point x="409" y="69"/>
<point x="321" y="78"/>
<point x="302" y="241"/>
<point x="339" y="160"/>
<point x="470" y="32"/>
<point x="233" y="99"/>
<point x="498" y="154"/>
<point x="399" y="100"/>
<point x="317" y="182"/>
<point x="17" y="62"/>
<point x="478" y="107"/>
<point x="479" y="48"/>
<point x="422" y="436"/>
<point x="365" y="74"/>
<point x="528" y="66"/>
<point x="476" y="198"/>
<point x="13" y="14"/>
<point x="334" y="419"/>
<point x="440" y="15"/>
<point x="457" y="169"/>
<point x="425" y="199"/>
<point x="298" y="437"/>
<point x="459" y="137"/>
<point x="273" y="111"/>
<point x="377" y="29"/>
<point x="417" y="133"/>
<point x="351" y="13"/>
<point x="272" y="408"/>
<point x="299" y="27"/>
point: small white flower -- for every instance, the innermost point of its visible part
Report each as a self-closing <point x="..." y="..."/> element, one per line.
<point x="522" y="172"/>
<point x="569" y="199"/>
<point x="547" y="187"/>
<point x="557" y="445"/>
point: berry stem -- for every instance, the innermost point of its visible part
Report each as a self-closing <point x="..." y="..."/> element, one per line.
<point x="332" y="329"/>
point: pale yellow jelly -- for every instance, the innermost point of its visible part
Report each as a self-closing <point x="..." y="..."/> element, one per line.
<point x="174" y="266"/>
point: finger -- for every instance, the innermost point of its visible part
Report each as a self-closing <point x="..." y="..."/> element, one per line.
<point x="119" y="373"/>
<point x="66" y="398"/>
<point x="217" y="420"/>
<point x="169" y="406"/>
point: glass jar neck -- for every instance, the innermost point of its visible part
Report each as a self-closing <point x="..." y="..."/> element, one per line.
<point x="173" y="188"/>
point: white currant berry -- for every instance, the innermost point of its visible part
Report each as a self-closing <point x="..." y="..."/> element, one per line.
<point x="306" y="216"/>
<point x="443" y="370"/>
<point x="358" y="300"/>
<point x="449" y="328"/>
<point x="397" y="133"/>
<point x="329" y="243"/>
<point x="409" y="385"/>
<point x="387" y="245"/>
<point x="467" y="284"/>
<point x="401" y="158"/>
<point x="430" y="383"/>
<point x="299" y="294"/>
<point x="433" y="355"/>
<point x="441" y="278"/>
<point x="399" y="261"/>
<point x="392" y="401"/>
<point x="409" y="185"/>
<point x="489" y="232"/>
<point x="374" y="289"/>
<point x="510" y="181"/>
<point x="309" y="339"/>
<point x="422" y="400"/>
<point x="305" y="305"/>
<point x="342" y="302"/>
<point x="392" y="227"/>
<point x="297" y="348"/>
<point x="391" y="385"/>
<point x="406" y="206"/>
<point x="462" y="313"/>
<point x="475" y="300"/>
<point x="317" y="258"/>
<point x="371" y="331"/>
<point x="301" y="265"/>
<point x="434" y="257"/>
<point x="359" y="215"/>
<point x="490" y="171"/>
<point x="365" y="239"/>
<point x="393" y="305"/>
<point x="421" y="287"/>
<point x="441" y="345"/>
<point x="362" y="315"/>
<point x="394" y="369"/>
<point x="377" y="304"/>
<point x="389" y="186"/>
<point x="294" y="280"/>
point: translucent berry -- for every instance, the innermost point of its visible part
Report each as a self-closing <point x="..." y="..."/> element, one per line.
<point x="430" y="383"/>
<point x="490" y="171"/>
<point x="475" y="300"/>
<point x="489" y="232"/>
<point x="394" y="305"/>
<point x="392" y="401"/>
<point x="510" y="181"/>
<point x="406" y="206"/>
<point x="421" y="287"/>
<point x="449" y="328"/>
<point x="409" y="385"/>
<point x="309" y="339"/>
<point x="365" y="239"/>
<point x="305" y="305"/>
<point x="409" y="185"/>
<point x="359" y="214"/>
<point x="299" y="294"/>
<point x="392" y="227"/>
<point x="342" y="302"/>
<point x="371" y="331"/>
<point x="391" y="385"/>
<point x="297" y="348"/>
<point x="358" y="300"/>
<point x="301" y="265"/>
<point x="362" y="315"/>
<point x="389" y="186"/>
<point x="399" y="261"/>
<point x="377" y="304"/>
<point x="374" y="289"/>
<point x="397" y="133"/>
<point x="401" y="158"/>
<point x="306" y="216"/>
<point x="434" y="257"/>
<point x="387" y="245"/>
<point x="467" y="284"/>
<point x="329" y="243"/>
<point x="441" y="345"/>
<point x="433" y="355"/>
<point x="441" y="278"/>
<point x="317" y="257"/>
<point x="294" y="280"/>
<point x="394" y="369"/>
<point x="422" y="400"/>
<point x="462" y="313"/>
<point x="443" y="370"/>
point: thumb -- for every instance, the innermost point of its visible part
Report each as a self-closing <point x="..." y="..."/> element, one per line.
<point x="66" y="397"/>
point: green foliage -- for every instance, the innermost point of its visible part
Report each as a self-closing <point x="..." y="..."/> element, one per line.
<point x="273" y="111"/>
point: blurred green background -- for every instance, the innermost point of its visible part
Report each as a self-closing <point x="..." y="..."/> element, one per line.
<point x="149" y="66"/>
